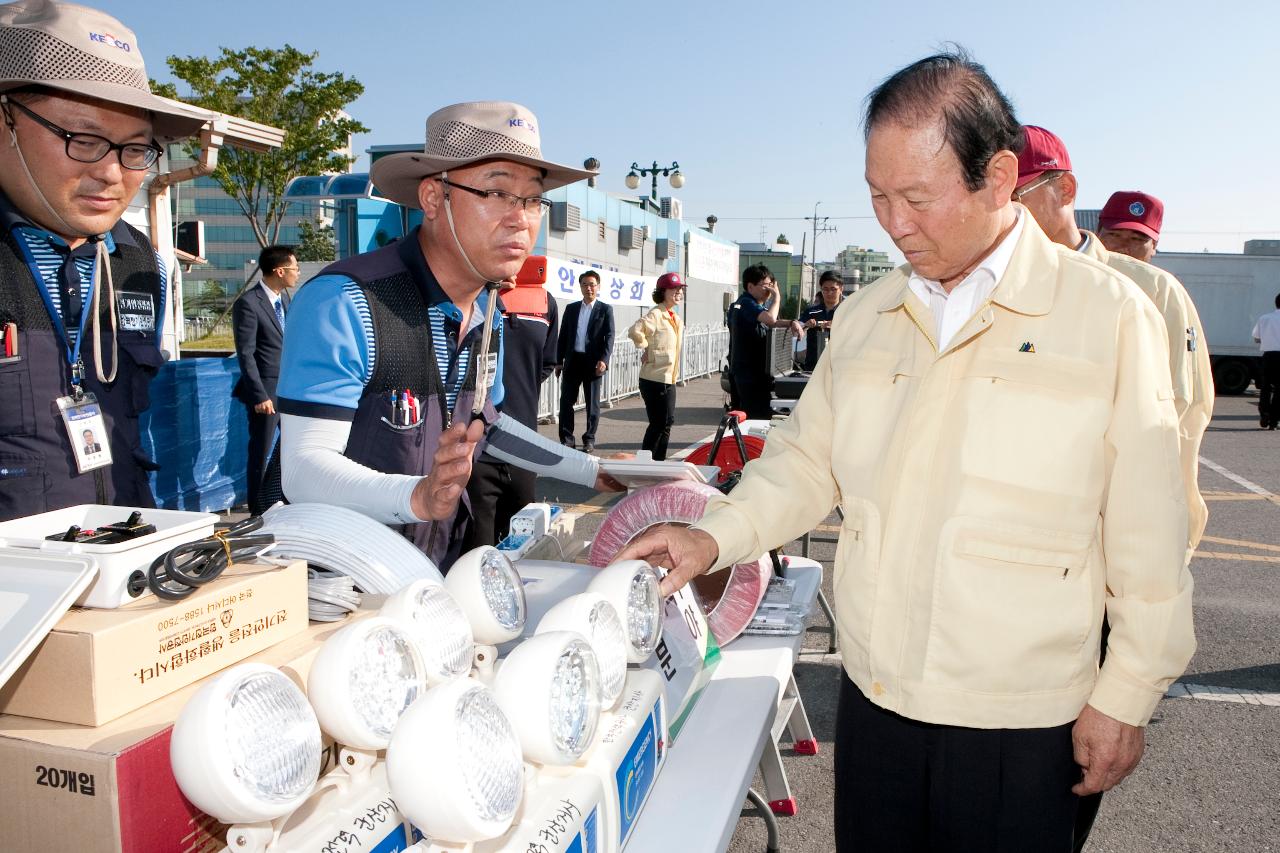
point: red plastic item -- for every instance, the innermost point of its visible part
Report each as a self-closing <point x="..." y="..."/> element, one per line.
<point x="806" y="747"/>
<point x="727" y="457"/>
<point x="784" y="808"/>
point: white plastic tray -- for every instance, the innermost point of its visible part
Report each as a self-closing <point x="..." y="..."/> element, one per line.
<point x="638" y="473"/>
<point x="35" y="590"/>
<point x="115" y="563"/>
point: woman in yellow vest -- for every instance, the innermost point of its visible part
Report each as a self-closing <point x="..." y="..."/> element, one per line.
<point x="660" y="333"/>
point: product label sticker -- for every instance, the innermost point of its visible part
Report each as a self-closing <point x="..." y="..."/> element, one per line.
<point x="87" y="431"/>
<point x="137" y="311"/>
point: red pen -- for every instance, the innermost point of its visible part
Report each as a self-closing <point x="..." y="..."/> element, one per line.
<point x="413" y="406"/>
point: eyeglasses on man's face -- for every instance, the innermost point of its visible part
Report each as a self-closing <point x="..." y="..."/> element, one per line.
<point x="500" y="203"/>
<point x="1033" y="186"/>
<point x="90" y="148"/>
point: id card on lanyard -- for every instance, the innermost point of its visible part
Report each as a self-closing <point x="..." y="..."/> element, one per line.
<point x="81" y="415"/>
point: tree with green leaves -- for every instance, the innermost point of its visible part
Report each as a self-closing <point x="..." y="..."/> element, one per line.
<point x="316" y="241"/>
<point x="278" y="88"/>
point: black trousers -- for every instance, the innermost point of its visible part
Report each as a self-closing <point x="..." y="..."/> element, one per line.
<point x="903" y="786"/>
<point x="1269" y="385"/>
<point x="579" y="373"/>
<point x="262" y="436"/>
<point x="660" y="405"/>
<point x="753" y="394"/>
<point x="497" y="491"/>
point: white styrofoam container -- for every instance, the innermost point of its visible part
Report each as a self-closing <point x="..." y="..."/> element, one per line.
<point x="115" y="563"/>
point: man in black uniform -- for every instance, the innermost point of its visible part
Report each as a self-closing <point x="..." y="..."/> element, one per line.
<point x="750" y="318"/>
<point x="84" y="290"/>
<point x="816" y="319"/>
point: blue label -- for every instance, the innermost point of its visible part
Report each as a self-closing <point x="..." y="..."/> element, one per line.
<point x="591" y="830"/>
<point x="575" y="846"/>
<point x="392" y="842"/>
<point x="635" y="777"/>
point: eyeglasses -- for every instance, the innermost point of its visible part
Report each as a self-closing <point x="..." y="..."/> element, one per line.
<point x="1035" y="185"/>
<point x="88" y="148"/>
<point x="498" y="203"/>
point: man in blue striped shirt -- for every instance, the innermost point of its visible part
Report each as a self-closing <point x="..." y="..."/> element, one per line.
<point x="82" y="294"/>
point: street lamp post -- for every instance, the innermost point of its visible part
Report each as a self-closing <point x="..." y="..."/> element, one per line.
<point x="672" y="172"/>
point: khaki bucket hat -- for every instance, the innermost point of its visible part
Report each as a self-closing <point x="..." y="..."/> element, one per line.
<point x="86" y="52"/>
<point x="463" y="134"/>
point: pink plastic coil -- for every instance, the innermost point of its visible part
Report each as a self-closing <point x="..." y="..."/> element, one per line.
<point x="729" y="597"/>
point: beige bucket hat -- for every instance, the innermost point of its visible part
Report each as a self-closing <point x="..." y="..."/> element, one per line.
<point x="81" y="50"/>
<point x="463" y="134"/>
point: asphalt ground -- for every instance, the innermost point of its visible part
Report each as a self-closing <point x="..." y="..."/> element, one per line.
<point x="1210" y="778"/>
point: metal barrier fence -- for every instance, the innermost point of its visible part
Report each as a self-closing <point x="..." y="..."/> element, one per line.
<point x="705" y="348"/>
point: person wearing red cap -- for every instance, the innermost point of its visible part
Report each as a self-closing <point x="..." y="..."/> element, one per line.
<point x="1047" y="188"/>
<point x="660" y="333"/>
<point x="1130" y="224"/>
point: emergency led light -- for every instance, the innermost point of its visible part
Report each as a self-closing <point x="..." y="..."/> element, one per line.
<point x="246" y="747"/>
<point x="437" y="624"/>
<point x="549" y="688"/>
<point x="591" y="615"/>
<point x="632" y="587"/>
<point x="363" y="679"/>
<point x="488" y="588"/>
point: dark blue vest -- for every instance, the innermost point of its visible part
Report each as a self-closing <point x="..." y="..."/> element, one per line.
<point x="394" y="283"/>
<point x="37" y="463"/>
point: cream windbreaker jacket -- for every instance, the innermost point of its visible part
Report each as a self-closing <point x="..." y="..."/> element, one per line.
<point x="996" y="497"/>
<point x="1189" y="368"/>
<point x="660" y="335"/>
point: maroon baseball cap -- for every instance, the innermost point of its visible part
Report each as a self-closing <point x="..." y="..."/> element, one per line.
<point x="1042" y="152"/>
<point x="1136" y="211"/>
<point x="670" y="281"/>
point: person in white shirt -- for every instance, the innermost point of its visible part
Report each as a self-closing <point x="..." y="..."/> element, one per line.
<point x="1267" y="333"/>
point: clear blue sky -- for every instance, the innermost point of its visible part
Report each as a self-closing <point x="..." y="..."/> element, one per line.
<point x="760" y="102"/>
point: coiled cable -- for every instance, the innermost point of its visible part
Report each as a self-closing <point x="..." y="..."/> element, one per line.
<point x="175" y="575"/>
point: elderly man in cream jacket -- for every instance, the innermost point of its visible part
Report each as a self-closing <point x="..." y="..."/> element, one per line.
<point x="996" y="421"/>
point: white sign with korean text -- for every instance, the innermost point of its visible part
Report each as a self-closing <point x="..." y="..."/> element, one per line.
<point x="711" y="260"/>
<point x="616" y="288"/>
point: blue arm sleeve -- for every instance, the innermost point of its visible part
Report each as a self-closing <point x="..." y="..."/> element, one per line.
<point x="326" y="360"/>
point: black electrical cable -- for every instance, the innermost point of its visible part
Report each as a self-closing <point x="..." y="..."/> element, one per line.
<point x="177" y="574"/>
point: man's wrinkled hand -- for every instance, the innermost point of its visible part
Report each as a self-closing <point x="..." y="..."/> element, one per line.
<point x="606" y="483"/>
<point x="436" y="495"/>
<point x="1106" y="749"/>
<point x="686" y="552"/>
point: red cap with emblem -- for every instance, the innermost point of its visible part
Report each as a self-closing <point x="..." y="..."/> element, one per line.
<point x="1141" y="212"/>
<point x="1042" y="152"/>
<point x="669" y="281"/>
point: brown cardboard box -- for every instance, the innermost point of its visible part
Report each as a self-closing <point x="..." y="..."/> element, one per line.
<point x="98" y="664"/>
<point x="111" y="789"/>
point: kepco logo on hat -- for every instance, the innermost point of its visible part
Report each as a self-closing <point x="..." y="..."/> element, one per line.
<point x="1137" y="208"/>
<point x="107" y="38"/>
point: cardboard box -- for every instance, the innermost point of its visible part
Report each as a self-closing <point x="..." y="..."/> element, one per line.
<point x="111" y="789"/>
<point x="96" y="665"/>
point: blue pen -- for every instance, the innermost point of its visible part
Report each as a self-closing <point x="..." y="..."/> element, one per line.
<point x="395" y="408"/>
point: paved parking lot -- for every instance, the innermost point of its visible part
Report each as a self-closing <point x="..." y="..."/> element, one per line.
<point x="1210" y="780"/>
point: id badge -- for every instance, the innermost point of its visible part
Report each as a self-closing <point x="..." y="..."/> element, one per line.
<point x="87" y="430"/>
<point x="488" y="374"/>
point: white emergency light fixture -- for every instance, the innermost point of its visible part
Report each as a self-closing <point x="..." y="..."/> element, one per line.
<point x="488" y="589"/>
<point x="439" y="626"/>
<point x="454" y="764"/>
<point x="591" y="615"/>
<point x="363" y="679"/>
<point x="632" y="586"/>
<point x="246" y="747"/>
<point x="549" y="688"/>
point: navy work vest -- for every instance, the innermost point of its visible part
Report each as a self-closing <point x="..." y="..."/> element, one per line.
<point x="395" y="288"/>
<point x="37" y="463"/>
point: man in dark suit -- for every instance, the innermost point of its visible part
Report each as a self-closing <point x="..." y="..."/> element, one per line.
<point x="259" y="322"/>
<point x="586" y="343"/>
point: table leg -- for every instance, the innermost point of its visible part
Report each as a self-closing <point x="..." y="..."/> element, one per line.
<point x="798" y="728"/>
<point x="775" y="781"/>
<point x="773" y="845"/>
<point x="831" y="618"/>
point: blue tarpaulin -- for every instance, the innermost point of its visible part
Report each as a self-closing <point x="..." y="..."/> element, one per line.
<point x="199" y="435"/>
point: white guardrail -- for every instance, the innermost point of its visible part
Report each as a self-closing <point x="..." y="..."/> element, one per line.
<point x="705" y="348"/>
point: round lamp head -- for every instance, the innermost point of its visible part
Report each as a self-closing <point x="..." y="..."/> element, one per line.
<point x="633" y="180"/>
<point x="549" y="688"/>
<point x="433" y="619"/>
<point x="363" y="679"/>
<point x="632" y="586"/>
<point x="488" y="589"/>
<point x="246" y="747"/>
<point x="591" y="615"/>
<point x="677" y="179"/>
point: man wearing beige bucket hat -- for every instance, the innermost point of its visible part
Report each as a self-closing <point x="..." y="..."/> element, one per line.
<point x="392" y="359"/>
<point x="81" y="130"/>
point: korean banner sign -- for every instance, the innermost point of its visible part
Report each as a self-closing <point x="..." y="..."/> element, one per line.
<point x="616" y="288"/>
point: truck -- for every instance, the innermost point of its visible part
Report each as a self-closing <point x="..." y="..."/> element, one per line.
<point x="1230" y="292"/>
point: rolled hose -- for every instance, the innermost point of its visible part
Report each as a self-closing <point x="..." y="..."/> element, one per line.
<point x="729" y="597"/>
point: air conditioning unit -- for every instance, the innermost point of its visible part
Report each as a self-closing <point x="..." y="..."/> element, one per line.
<point x="662" y="249"/>
<point x="630" y="237"/>
<point x="565" y="216"/>
<point x="190" y="237"/>
<point x="671" y="208"/>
